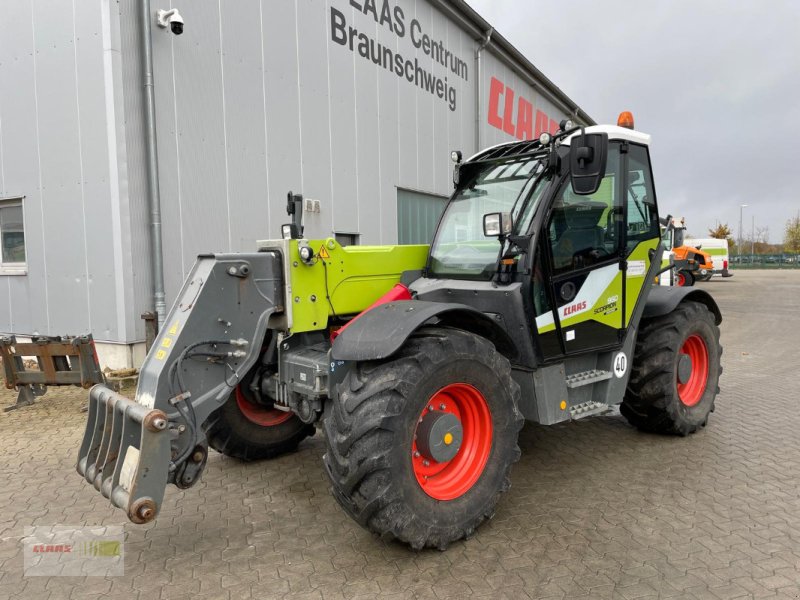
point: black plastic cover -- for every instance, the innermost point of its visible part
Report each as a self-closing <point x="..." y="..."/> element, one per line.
<point x="381" y="331"/>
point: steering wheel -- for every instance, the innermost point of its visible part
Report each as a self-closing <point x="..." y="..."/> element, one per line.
<point x="594" y="254"/>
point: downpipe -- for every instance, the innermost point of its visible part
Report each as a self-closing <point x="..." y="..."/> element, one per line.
<point x="151" y="150"/>
<point x="478" y="109"/>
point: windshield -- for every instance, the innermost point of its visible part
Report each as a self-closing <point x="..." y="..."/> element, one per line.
<point x="666" y="238"/>
<point x="460" y="248"/>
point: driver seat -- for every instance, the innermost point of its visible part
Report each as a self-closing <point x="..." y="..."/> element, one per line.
<point x="582" y="233"/>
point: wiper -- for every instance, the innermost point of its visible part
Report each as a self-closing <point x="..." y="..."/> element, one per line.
<point x="638" y="207"/>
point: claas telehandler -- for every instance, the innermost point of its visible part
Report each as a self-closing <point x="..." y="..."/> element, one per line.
<point x="534" y="301"/>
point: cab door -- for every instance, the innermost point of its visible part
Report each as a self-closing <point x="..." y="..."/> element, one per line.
<point x="642" y="231"/>
<point x="578" y="273"/>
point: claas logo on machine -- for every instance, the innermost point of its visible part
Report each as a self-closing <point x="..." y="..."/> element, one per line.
<point x="569" y="310"/>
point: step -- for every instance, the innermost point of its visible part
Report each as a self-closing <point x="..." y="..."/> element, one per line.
<point x="587" y="377"/>
<point x="587" y="409"/>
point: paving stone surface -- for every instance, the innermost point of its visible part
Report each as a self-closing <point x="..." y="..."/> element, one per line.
<point x="596" y="509"/>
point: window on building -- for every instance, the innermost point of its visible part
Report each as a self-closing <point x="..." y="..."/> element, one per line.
<point x="347" y="239"/>
<point x="12" y="235"/>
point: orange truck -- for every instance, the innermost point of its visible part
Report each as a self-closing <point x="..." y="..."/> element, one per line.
<point x="690" y="263"/>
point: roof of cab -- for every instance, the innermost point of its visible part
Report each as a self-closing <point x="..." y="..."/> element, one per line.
<point x="614" y="133"/>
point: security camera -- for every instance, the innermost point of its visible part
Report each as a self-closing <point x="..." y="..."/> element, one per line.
<point x="172" y="19"/>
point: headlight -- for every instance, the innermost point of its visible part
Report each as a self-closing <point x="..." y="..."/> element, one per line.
<point x="306" y="254"/>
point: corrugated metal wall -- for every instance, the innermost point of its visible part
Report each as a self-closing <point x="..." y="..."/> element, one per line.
<point x="256" y="98"/>
<point x="55" y="151"/>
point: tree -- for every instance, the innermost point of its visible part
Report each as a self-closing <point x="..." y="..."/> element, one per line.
<point x="758" y="242"/>
<point x="791" y="240"/>
<point x="722" y="232"/>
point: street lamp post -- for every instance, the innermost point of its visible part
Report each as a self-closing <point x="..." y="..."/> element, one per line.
<point x="741" y="237"/>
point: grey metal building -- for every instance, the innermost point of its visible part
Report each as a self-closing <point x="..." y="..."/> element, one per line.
<point x="354" y="103"/>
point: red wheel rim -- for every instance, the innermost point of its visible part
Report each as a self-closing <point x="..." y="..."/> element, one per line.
<point x="691" y="392"/>
<point x="451" y="479"/>
<point x="681" y="281"/>
<point x="260" y="415"/>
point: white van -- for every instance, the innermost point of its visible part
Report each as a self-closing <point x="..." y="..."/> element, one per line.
<point x="718" y="249"/>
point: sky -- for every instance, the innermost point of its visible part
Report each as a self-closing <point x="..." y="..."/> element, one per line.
<point x="716" y="84"/>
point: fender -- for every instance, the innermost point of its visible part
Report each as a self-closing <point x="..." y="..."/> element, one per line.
<point x="381" y="331"/>
<point x="663" y="300"/>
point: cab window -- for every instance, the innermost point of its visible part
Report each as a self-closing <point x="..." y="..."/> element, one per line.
<point x="584" y="230"/>
<point x="642" y="213"/>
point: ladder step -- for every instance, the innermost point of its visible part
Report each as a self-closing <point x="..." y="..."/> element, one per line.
<point x="587" y="409"/>
<point x="587" y="377"/>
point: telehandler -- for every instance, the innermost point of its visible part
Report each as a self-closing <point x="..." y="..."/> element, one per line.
<point x="533" y="302"/>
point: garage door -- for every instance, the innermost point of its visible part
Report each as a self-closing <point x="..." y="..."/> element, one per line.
<point x="417" y="216"/>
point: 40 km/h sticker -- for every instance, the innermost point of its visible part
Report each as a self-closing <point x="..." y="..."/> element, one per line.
<point x="620" y="364"/>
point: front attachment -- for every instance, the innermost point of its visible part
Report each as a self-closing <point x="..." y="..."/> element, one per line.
<point x="120" y="435"/>
<point x="213" y="336"/>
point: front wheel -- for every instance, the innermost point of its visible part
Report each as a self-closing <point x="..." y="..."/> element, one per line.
<point x="685" y="279"/>
<point x="676" y="370"/>
<point x="244" y="429"/>
<point x="419" y="447"/>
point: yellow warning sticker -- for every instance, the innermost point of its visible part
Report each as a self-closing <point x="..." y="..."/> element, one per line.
<point x="161" y="354"/>
<point x="166" y="342"/>
<point x="174" y="329"/>
<point x="323" y="252"/>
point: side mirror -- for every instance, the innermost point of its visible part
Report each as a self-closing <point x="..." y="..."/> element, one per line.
<point x="587" y="161"/>
<point x="497" y="224"/>
<point x="294" y="208"/>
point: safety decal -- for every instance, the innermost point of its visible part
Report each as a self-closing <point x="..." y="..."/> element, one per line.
<point x="636" y="268"/>
<point x="323" y="252"/>
<point x="620" y="365"/>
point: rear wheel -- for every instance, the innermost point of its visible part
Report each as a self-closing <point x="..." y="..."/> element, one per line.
<point x="676" y="369"/>
<point x="685" y="279"/>
<point x="244" y="429"/>
<point x="420" y="446"/>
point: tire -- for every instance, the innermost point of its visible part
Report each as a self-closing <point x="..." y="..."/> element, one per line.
<point x="658" y="398"/>
<point x="244" y="430"/>
<point x="685" y="279"/>
<point x="372" y="432"/>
